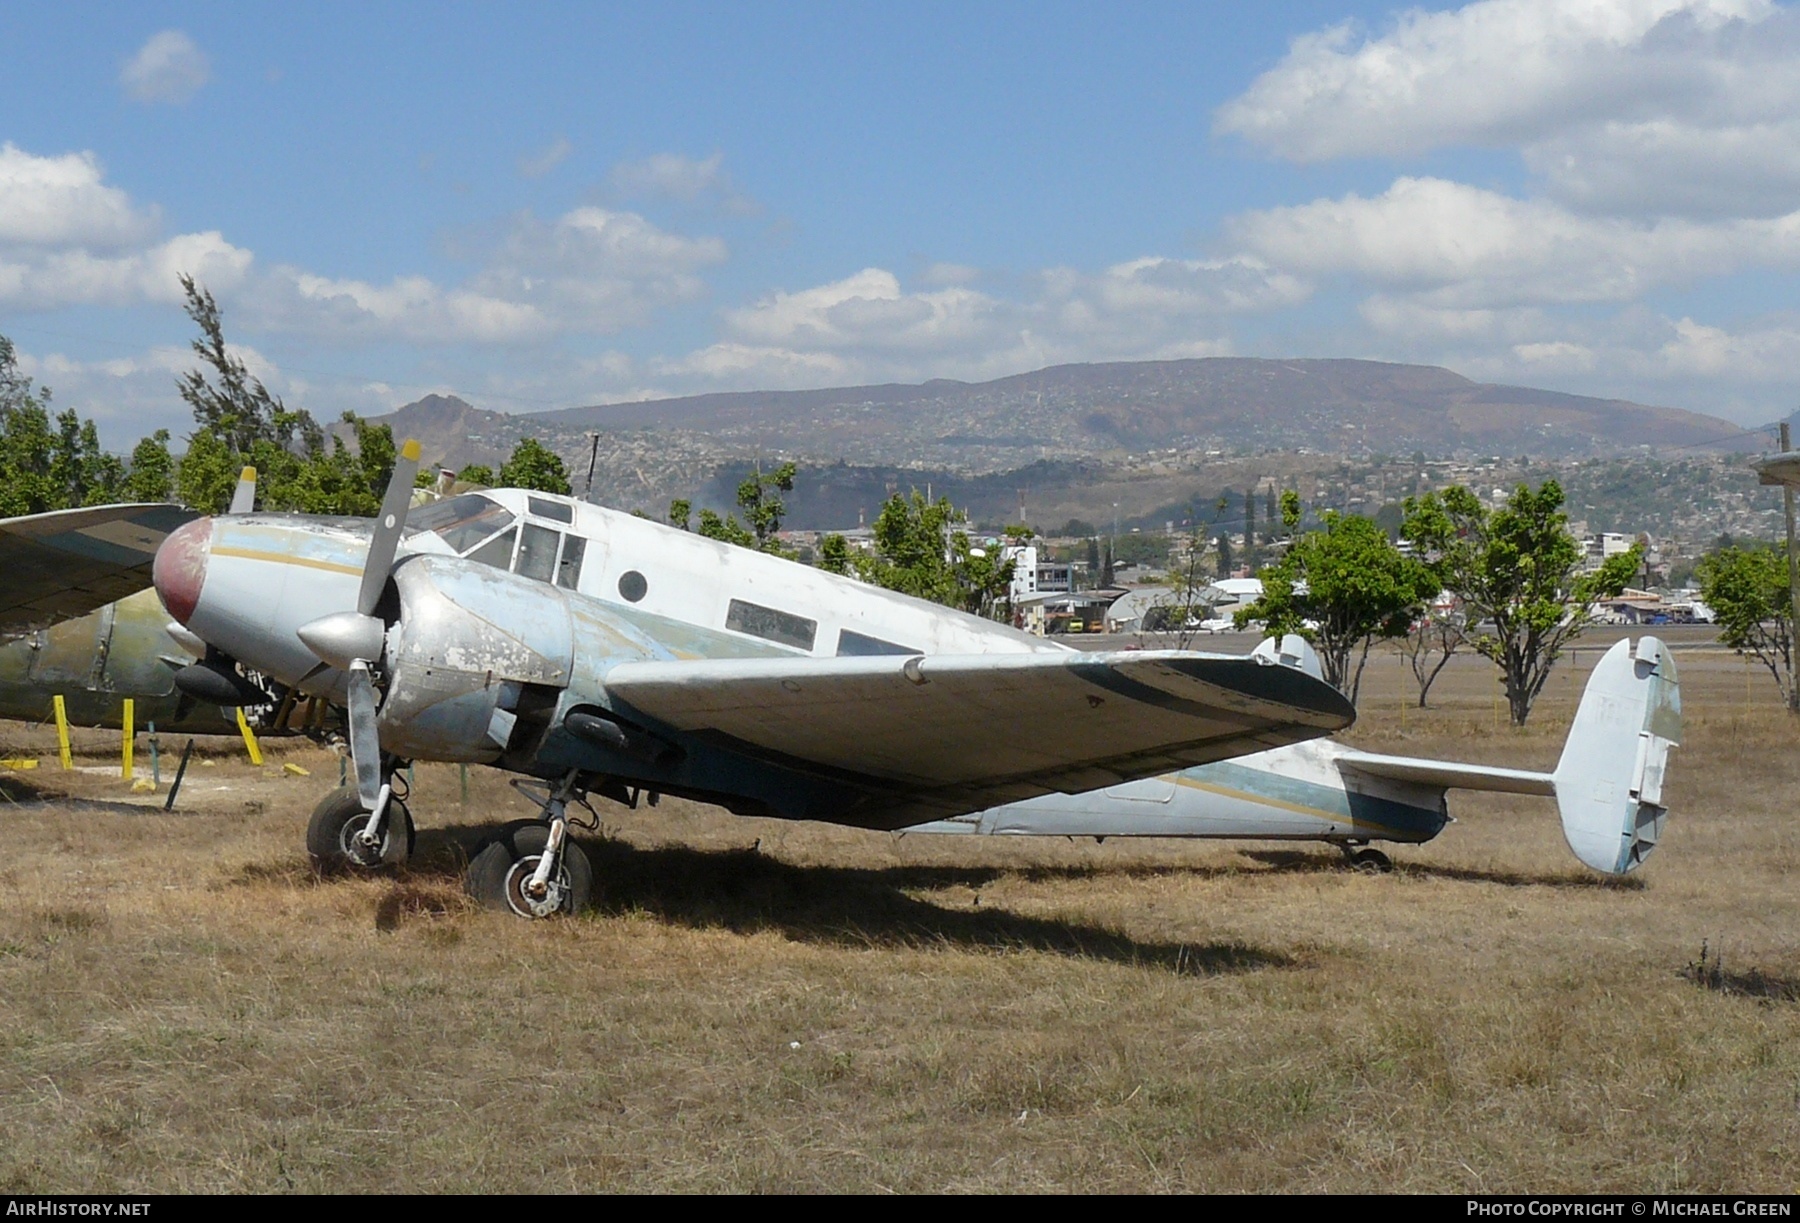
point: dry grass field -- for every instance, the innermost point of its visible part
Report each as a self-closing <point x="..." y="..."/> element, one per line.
<point x="759" y="1006"/>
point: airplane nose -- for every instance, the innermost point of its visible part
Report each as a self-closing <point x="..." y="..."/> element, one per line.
<point x="180" y="567"/>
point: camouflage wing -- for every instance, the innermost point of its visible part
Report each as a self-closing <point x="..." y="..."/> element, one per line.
<point x="66" y="563"/>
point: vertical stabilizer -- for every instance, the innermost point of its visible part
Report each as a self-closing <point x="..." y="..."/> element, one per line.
<point x="1609" y="780"/>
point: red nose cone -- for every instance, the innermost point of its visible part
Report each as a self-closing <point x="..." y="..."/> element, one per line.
<point x="180" y="568"/>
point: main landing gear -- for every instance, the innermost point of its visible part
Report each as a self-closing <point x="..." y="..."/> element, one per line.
<point x="1369" y="861"/>
<point x="531" y="868"/>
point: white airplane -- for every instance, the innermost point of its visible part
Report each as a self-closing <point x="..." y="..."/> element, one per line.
<point x="607" y="654"/>
<point x="1607" y="785"/>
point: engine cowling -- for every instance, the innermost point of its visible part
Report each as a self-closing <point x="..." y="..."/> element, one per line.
<point x="475" y="650"/>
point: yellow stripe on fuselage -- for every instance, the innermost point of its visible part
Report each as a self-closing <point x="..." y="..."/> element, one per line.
<point x="1353" y="824"/>
<point x="1263" y="800"/>
<point x="283" y="558"/>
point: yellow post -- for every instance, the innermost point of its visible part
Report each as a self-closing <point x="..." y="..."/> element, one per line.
<point x="130" y="739"/>
<point x="62" y="732"/>
<point x="249" y="739"/>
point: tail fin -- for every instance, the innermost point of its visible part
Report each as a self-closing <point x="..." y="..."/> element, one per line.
<point x="1609" y="780"/>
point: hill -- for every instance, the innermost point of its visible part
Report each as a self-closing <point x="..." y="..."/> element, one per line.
<point x="1227" y="403"/>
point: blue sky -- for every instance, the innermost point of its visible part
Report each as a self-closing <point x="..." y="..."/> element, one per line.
<point x="547" y="207"/>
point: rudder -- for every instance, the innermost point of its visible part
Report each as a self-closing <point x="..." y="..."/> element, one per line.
<point x="1609" y="780"/>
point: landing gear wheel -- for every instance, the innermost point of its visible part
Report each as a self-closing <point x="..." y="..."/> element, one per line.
<point x="333" y="840"/>
<point x="1371" y="862"/>
<point x="499" y="873"/>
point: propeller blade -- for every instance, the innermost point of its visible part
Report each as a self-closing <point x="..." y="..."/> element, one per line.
<point x="388" y="527"/>
<point x="365" y="740"/>
<point x="243" y="497"/>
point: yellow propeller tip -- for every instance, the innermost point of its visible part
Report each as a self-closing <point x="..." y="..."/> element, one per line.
<point x="249" y="473"/>
<point x="410" y="451"/>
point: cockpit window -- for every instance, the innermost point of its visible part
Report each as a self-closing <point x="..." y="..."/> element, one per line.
<point x="555" y="510"/>
<point x="462" y="522"/>
<point x="496" y="551"/>
<point x="537" y="553"/>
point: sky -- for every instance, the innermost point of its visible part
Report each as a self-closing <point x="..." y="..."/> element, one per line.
<point x="544" y="206"/>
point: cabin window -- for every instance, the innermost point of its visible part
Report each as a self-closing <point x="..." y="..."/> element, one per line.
<point x="632" y="586"/>
<point x="568" y="570"/>
<point x="496" y="551"/>
<point x="771" y="625"/>
<point x="856" y="645"/>
<point x="555" y="510"/>
<point x="537" y="553"/>
<point x="462" y="522"/>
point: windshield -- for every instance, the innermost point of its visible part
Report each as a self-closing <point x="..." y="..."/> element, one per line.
<point x="462" y="522"/>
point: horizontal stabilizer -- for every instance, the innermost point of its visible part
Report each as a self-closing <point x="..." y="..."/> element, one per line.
<point x="1449" y="774"/>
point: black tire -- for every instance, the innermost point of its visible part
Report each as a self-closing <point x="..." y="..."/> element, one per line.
<point x="331" y="834"/>
<point x="498" y="873"/>
<point x="1371" y="862"/>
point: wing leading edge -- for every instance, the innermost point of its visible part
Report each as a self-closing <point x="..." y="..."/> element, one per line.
<point x="927" y="736"/>
<point x="66" y="563"/>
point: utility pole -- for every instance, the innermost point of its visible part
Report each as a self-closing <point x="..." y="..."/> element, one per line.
<point x="1787" y="503"/>
<point x="587" y="492"/>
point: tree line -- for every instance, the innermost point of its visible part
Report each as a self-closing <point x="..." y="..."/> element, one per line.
<point x="54" y="460"/>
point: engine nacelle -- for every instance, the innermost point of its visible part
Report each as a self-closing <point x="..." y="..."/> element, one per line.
<point x="475" y="663"/>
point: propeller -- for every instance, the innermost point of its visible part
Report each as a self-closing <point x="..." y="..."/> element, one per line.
<point x="352" y="641"/>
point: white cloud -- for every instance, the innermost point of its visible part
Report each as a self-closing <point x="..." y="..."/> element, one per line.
<point x="167" y="68"/>
<point x="1498" y="72"/>
<point x="59" y="200"/>
<point x="47" y="279"/>
<point x="411" y="308"/>
<point x="868" y="327"/>
<point x="589" y="271"/>
<point x="536" y="165"/>
<point x="685" y="179"/>
<point x="1470" y="247"/>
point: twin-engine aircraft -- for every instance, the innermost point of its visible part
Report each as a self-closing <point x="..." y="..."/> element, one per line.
<point x="604" y="653"/>
<point x="1607" y="785"/>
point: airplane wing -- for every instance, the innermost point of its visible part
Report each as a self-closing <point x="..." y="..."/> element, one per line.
<point x="928" y="736"/>
<point x="1449" y="774"/>
<point x="66" y="563"/>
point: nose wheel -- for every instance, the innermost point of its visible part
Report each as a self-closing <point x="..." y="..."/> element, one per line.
<point x="523" y="871"/>
<point x="339" y="837"/>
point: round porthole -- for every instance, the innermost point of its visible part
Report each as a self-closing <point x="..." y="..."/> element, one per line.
<point x="632" y="585"/>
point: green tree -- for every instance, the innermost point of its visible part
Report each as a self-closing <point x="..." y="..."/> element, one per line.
<point x="239" y="423"/>
<point x="477" y="473"/>
<point x="1747" y="589"/>
<point x="758" y="498"/>
<point x="1341" y="587"/>
<point x="534" y="465"/>
<point x="152" y="473"/>
<point x="834" y="554"/>
<point x="763" y="509"/>
<point x="49" y="462"/>
<point x="1517" y="570"/>
<point x="923" y="549"/>
<point x="230" y="402"/>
